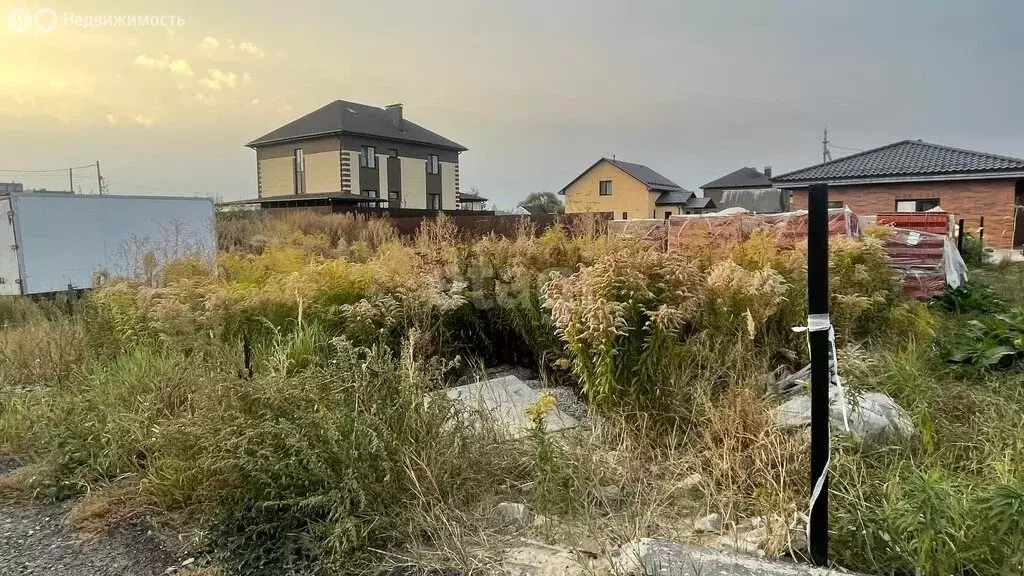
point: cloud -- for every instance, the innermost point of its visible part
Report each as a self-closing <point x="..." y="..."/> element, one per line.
<point x="144" y="120"/>
<point x="205" y="99"/>
<point x="57" y="84"/>
<point x="255" y="101"/>
<point x="251" y="49"/>
<point x="180" y="66"/>
<point x="111" y="119"/>
<point x="176" y="66"/>
<point x="217" y="80"/>
<point x="150" y="63"/>
<point x="285" y="108"/>
<point x="246" y="78"/>
<point x="208" y="44"/>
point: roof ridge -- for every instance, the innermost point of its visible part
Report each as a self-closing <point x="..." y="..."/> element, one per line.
<point x="857" y="155"/>
<point x="905" y="157"/>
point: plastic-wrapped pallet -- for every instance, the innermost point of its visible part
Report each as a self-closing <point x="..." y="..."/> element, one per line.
<point x="927" y="263"/>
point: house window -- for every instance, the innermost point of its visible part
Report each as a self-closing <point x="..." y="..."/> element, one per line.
<point x="299" y="175"/>
<point x="922" y="205"/>
<point x="370" y="193"/>
<point x="393" y="152"/>
<point x="625" y="215"/>
<point x="368" y="157"/>
<point x="836" y="204"/>
<point x="606" y="188"/>
<point x="393" y="196"/>
<point x="434" y="201"/>
<point x="667" y="214"/>
<point x="433" y="164"/>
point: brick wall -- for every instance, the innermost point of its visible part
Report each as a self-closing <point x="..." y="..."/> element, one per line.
<point x="967" y="199"/>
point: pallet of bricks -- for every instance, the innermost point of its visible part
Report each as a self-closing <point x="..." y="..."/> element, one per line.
<point x="927" y="262"/>
<point x="919" y="245"/>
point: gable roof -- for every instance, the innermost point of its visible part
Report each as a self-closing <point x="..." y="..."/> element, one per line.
<point x="645" y="175"/>
<point x="340" y="117"/>
<point x="743" y="178"/>
<point x="910" y="158"/>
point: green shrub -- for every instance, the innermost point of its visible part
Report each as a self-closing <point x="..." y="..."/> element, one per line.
<point x="995" y="342"/>
<point x="971" y="296"/>
<point x="619" y="320"/>
<point x="973" y="251"/>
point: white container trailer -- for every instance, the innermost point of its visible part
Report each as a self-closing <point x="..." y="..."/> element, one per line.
<point x="51" y="242"/>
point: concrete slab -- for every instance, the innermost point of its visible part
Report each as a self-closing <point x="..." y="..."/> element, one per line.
<point x="656" y="557"/>
<point x="506" y="399"/>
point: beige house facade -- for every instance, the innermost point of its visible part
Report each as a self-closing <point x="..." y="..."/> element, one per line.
<point x="629" y="191"/>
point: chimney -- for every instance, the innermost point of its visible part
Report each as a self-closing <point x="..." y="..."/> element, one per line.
<point x="768" y="171"/>
<point x="394" y="114"/>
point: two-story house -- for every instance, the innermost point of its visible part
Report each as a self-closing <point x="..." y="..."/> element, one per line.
<point x="629" y="191"/>
<point x="352" y="153"/>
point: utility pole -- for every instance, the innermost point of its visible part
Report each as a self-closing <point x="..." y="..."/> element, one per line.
<point x="71" y="180"/>
<point x="826" y="155"/>
<point x="99" y="178"/>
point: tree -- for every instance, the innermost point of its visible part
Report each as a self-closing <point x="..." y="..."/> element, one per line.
<point x="549" y="202"/>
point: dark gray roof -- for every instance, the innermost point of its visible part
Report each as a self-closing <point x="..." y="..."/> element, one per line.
<point x="905" y="158"/>
<point x="742" y="178"/>
<point x="340" y="117"/>
<point x="673" y="197"/>
<point x="467" y="197"/>
<point x="652" y="179"/>
<point x="649" y="177"/>
<point x="700" y="203"/>
<point x="761" y="201"/>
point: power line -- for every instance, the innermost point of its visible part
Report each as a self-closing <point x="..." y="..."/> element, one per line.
<point x="847" y="148"/>
<point x="93" y="165"/>
<point x="122" y="183"/>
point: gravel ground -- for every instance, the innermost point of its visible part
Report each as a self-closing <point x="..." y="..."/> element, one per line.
<point x="35" y="540"/>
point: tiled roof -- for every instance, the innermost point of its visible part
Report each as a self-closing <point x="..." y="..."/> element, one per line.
<point x="905" y="158"/>
<point x="467" y="197"/>
<point x="742" y="178"/>
<point x="673" y="197"/>
<point x="701" y="203"/>
<point x="350" y="117"/>
<point x="652" y="179"/>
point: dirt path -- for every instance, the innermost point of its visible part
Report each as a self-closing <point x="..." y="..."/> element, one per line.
<point x="36" y="540"/>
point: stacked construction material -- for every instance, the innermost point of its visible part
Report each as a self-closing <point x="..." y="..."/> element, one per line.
<point x="927" y="262"/>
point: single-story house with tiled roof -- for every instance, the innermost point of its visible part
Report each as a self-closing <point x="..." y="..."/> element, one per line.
<point x="916" y="176"/>
<point x="747" y="188"/>
<point x="629" y="191"/>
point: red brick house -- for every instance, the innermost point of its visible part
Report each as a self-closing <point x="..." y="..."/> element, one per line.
<point x="915" y="176"/>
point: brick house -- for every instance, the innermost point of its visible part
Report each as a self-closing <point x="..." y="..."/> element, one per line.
<point x="916" y="176"/>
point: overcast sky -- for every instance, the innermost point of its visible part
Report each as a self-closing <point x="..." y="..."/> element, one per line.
<point x="536" y="89"/>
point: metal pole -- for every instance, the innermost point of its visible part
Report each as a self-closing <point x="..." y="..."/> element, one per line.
<point x="818" y="336"/>
<point x="71" y="180"/>
<point x="981" y="231"/>
<point x="99" y="179"/>
<point x="960" y="236"/>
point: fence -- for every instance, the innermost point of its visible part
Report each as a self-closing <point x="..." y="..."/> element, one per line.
<point x="926" y="262"/>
